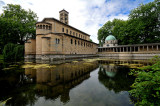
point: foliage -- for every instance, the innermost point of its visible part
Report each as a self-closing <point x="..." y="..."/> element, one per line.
<point x="13" y="52"/>
<point x="143" y="26"/>
<point x="1" y="56"/>
<point x="16" y="25"/>
<point x="146" y="87"/>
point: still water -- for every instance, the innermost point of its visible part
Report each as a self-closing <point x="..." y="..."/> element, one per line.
<point x="88" y="82"/>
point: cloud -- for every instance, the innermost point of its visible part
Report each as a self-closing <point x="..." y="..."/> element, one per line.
<point x="86" y="15"/>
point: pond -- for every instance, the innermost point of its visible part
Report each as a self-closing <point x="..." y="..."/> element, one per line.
<point x="87" y="82"/>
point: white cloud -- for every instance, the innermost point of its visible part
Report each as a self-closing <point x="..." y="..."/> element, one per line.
<point x="86" y="15"/>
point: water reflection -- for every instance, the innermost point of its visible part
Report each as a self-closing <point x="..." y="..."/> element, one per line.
<point x="103" y="82"/>
<point x="115" y="77"/>
<point x="51" y="83"/>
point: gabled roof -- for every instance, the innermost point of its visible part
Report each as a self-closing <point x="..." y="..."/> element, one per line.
<point x="63" y="24"/>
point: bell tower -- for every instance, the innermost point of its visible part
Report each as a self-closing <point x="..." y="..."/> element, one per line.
<point x="63" y="15"/>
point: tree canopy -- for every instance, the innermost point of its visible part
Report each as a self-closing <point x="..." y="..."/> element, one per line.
<point x="16" y="25"/>
<point x="143" y="26"/>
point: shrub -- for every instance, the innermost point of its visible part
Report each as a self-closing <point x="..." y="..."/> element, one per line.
<point x="146" y="87"/>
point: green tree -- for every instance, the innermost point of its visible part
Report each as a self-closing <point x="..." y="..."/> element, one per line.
<point x="104" y="31"/>
<point x="17" y="25"/>
<point x="143" y="26"/>
<point x="145" y="22"/>
<point x="13" y="52"/>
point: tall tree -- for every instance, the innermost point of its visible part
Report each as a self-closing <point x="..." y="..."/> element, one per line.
<point x="143" y="26"/>
<point x="16" y="24"/>
<point x="145" y="20"/>
<point x="104" y="31"/>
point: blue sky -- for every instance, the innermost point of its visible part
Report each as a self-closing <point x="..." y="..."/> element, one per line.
<point x="86" y="15"/>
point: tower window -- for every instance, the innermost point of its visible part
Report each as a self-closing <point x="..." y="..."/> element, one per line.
<point x="70" y="32"/>
<point x="62" y="29"/>
<point x="73" y="33"/>
<point x="71" y="41"/>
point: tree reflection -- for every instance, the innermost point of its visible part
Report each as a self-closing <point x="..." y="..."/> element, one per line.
<point x="25" y="86"/>
<point x="115" y="77"/>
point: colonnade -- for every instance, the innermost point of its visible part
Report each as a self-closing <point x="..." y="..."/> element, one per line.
<point x="131" y="48"/>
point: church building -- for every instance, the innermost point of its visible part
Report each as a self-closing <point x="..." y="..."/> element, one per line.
<point x="57" y="38"/>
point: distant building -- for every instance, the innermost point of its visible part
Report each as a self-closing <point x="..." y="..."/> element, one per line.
<point x="57" y="37"/>
<point x="110" y="41"/>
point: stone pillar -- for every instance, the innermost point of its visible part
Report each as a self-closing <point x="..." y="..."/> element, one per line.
<point x="134" y="49"/>
<point x="147" y="47"/>
<point x="130" y="49"/>
<point x="138" y="48"/>
<point x="157" y="48"/>
<point x="143" y="48"/>
<point x="123" y="49"/>
<point x="120" y="49"/>
<point x="113" y="50"/>
<point x="152" y="47"/>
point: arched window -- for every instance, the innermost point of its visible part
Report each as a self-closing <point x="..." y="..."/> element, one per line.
<point x="43" y="27"/>
<point x="78" y="42"/>
<point x="40" y="26"/>
<point x="71" y="41"/>
<point x="75" y="42"/>
<point x="62" y="29"/>
<point x="70" y="32"/>
<point x="49" y="27"/>
<point x="46" y="26"/>
<point x="67" y="31"/>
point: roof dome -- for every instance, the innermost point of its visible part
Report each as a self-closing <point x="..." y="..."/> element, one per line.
<point x="110" y="37"/>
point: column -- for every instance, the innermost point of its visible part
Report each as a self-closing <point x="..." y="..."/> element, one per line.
<point x="126" y="49"/>
<point x="120" y="49"/>
<point x="157" y="48"/>
<point x="152" y="47"/>
<point x="138" y="48"/>
<point x="130" y="49"/>
<point x="147" y="47"/>
<point x="134" y="49"/>
<point x="113" y="49"/>
<point x="143" y="48"/>
<point x="123" y="49"/>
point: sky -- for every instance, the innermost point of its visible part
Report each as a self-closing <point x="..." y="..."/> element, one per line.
<point x="85" y="15"/>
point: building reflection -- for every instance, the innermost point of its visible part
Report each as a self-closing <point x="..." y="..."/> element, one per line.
<point x="115" y="77"/>
<point x="57" y="82"/>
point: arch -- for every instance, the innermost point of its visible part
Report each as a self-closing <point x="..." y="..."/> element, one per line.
<point x="40" y="27"/>
<point x="49" y="27"/>
<point x="43" y="27"/>
<point x="46" y="26"/>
